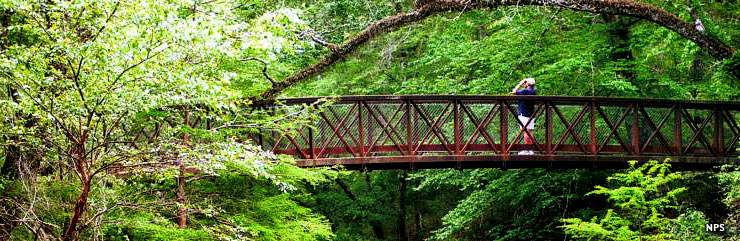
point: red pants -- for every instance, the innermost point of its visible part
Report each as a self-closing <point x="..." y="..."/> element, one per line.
<point x="527" y="139"/>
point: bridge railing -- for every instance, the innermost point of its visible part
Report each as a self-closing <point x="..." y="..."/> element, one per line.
<point x="369" y="126"/>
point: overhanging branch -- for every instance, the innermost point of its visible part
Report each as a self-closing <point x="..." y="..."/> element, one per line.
<point x="640" y="10"/>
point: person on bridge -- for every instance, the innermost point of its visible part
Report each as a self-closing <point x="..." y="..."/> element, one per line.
<point x="526" y="110"/>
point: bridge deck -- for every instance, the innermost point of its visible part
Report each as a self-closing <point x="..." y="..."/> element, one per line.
<point x="441" y="131"/>
<point x="509" y="162"/>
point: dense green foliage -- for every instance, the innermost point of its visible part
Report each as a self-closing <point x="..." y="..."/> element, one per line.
<point x="79" y="79"/>
<point x="642" y="196"/>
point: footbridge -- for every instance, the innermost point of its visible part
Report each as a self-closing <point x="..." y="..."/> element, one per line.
<point x="454" y="131"/>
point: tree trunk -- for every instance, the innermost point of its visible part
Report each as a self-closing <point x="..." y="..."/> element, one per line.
<point x="402" y="207"/>
<point x="345" y="189"/>
<point x="10" y="172"/>
<point x="182" y="213"/>
<point x="417" y="224"/>
<point x="696" y="70"/>
<point x="375" y="225"/>
<point x="9" y="169"/>
<point x="12" y="152"/>
<point x="72" y="234"/>
<point x="378" y="230"/>
<point x="619" y="39"/>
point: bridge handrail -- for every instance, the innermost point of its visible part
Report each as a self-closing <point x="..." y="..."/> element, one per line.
<point x="657" y="102"/>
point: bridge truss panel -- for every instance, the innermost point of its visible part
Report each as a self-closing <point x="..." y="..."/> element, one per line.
<point x="361" y="130"/>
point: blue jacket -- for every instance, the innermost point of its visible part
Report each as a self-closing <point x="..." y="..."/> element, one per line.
<point x="526" y="107"/>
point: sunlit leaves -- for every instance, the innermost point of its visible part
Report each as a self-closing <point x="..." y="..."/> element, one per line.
<point x="642" y="195"/>
<point x="89" y="75"/>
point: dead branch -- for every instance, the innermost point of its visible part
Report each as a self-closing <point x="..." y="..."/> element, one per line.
<point x="315" y="37"/>
<point x="264" y="68"/>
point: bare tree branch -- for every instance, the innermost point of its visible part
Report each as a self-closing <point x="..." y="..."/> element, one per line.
<point x="315" y="37"/>
<point x="107" y="20"/>
<point x="264" y="68"/>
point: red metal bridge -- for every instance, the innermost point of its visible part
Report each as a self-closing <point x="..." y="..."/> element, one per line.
<point x="451" y="131"/>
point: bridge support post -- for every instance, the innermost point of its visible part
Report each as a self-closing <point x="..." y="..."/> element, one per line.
<point x="409" y="135"/>
<point x="719" y="137"/>
<point x="457" y="126"/>
<point x="504" y="127"/>
<point x="548" y="128"/>
<point x="361" y="132"/>
<point x="678" y="130"/>
<point x="592" y="146"/>
<point x="312" y="153"/>
<point x="370" y="128"/>
<point x="636" y="130"/>
<point x="409" y="130"/>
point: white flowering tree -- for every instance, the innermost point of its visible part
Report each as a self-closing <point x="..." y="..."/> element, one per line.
<point x="83" y="76"/>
